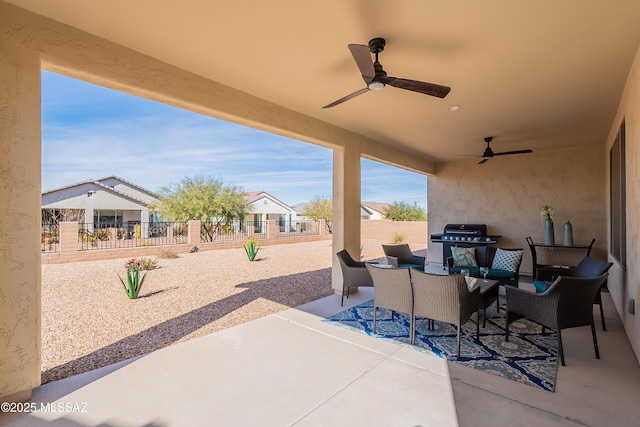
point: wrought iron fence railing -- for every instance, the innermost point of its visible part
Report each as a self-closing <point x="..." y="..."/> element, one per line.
<point x="234" y="231"/>
<point x="298" y="228"/>
<point x="50" y="237"/>
<point x="114" y="236"/>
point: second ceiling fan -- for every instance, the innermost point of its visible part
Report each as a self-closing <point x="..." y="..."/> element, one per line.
<point x="488" y="152"/>
<point x="376" y="78"/>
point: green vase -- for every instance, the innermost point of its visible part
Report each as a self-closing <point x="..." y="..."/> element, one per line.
<point x="549" y="235"/>
<point x="568" y="234"/>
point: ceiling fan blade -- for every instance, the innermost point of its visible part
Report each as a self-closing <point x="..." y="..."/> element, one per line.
<point x="362" y="56"/>
<point x="504" y="153"/>
<point x="348" y="97"/>
<point x="432" y="89"/>
<point x="482" y="161"/>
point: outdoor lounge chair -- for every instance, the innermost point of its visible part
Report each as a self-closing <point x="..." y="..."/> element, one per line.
<point x="587" y="268"/>
<point x="392" y="290"/>
<point x="354" y="273"/>
<point x="503" y="263"/>
<point x="444" y="298"/>
<point x="567" y="303"/>
<point x="401" y="256"/>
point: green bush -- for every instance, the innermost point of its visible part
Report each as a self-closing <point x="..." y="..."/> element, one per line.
<point x="398" y="238"/>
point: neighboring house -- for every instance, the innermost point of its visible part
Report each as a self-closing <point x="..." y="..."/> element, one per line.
<point x="265" y="207"/>
<point x="373" y="210"/>
<point x="106" y="202"/>
<point x="368" y="210"/>
<point x="115" y="202"/>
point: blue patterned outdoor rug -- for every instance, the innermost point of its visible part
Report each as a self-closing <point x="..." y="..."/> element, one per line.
<point x="530" y="357"/>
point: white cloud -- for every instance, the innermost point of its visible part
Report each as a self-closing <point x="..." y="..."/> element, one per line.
<point x="91" y="132"/>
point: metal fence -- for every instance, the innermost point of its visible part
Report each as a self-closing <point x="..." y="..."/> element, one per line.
<point x="50" y="237"/>
<point x="298" y="228"/>
<point x="234" y="231"/>
<point x="114" y="236"/>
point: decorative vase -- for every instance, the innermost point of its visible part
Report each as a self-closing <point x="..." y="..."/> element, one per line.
<point x="549" y="236"/>
<point x="568" y="234"/>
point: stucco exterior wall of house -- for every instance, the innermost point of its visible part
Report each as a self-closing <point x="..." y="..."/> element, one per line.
<point x="268" y="206"/>
<point x="624" y="282"/>
<point x="80" y="197"/>
<point x="508" y="194"/>
<point x="20" y="312"/>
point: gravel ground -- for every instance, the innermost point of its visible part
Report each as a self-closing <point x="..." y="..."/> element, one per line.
<point x="88" y="322"/>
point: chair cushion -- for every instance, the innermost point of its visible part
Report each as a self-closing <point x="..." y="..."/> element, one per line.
<point x="495" y="273"/>
<point x="463" y="257"/>
<point x="473" y="271"/>
<point x="541" y="286"/>
<point x="507" y="260"/>
<point x="416" y="266"/>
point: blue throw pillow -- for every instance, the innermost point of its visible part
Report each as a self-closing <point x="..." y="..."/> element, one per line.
<point x="506" y="260"/>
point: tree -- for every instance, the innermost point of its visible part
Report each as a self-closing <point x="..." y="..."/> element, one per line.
<point x="208" y="200"/>
<point x="403" y="211"/>
<point x="320" y="208"/>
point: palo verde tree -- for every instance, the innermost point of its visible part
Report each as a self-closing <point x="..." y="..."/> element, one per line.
<point x="208" y="200"/>
<point x="319" y="208"/>
<point x="403" y="211"/>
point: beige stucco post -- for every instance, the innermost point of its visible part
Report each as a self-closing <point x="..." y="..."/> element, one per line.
<point x="346" y="207"/>
<point x="20" y="223"/>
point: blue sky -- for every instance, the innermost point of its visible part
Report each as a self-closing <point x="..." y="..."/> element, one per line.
<point x="91" y="132"/>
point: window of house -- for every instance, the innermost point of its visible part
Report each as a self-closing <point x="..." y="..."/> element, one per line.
<point x="618" y="198"/>
<point x="107" y="218"/>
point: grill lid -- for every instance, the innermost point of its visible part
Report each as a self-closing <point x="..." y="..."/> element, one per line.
<point x="478" y="230"/>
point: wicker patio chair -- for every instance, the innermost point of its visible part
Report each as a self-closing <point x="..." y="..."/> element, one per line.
<point x="588" y="267"/>
<point x="567" y="303"/>
<point x="444" y="298"/>
<point x="402" y="257"/>
<point x="354" y="273"/>
<point x="392" y="290"/>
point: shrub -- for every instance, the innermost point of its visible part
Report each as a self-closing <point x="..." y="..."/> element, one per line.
<point x="398" y="238"/>
<point x="168" y="254"/>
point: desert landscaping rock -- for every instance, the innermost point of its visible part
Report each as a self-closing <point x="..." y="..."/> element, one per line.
<point x="88" y="321"/>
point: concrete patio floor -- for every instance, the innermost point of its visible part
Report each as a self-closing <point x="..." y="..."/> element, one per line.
<point x="291" y="368"/>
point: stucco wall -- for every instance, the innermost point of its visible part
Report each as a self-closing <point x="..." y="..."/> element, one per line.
<point x="624" y="284"/>
<point x="508" y="193"/>
<point x="20" y="221"/>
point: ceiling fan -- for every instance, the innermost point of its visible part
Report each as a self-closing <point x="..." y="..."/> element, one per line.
<point x="488" y="152"/>
<point x="376" y="78"/>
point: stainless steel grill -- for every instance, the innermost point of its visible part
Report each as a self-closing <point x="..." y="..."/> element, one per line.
<point x="465" y="235"/>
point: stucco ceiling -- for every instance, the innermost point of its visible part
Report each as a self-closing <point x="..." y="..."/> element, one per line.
<point x="534" y="74"/>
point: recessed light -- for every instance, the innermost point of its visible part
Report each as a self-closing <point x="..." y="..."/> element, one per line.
<point x="452" y="108"/>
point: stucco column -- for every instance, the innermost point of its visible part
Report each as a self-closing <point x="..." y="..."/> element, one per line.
<point x="20" y="200"/>
<point x="346" y="208"/>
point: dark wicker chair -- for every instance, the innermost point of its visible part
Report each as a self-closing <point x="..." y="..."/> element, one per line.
<point x="567" y="303"/>
<point x="587" y="268"/>
<point x="402" y="257"/>
<point x="354" y="273"/>
<point x="444" y="298"/>
<point x="392" y="290"/>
